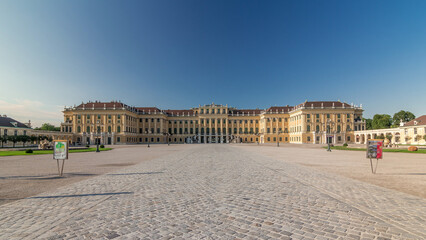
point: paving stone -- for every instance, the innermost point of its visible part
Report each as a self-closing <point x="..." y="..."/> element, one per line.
<point x="216" y="192"/>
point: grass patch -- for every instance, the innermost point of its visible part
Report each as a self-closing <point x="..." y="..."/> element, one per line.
<point x="18" y="153"/>
<point x="384" y="150"/>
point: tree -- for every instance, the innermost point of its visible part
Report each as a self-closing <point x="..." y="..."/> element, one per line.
<point x="33" y="139"/>
<point x="424" y="137"/>
<point x="389" y="137"/>
<point x="1" y="140"/>
<point x="368" y="123"/>
<point x="418" y="137"/>
<point x="48" y="127"/>
<point x="13" y="139"/>
<point x="24" y="139"/>
<point x="381" y="121"/>
<point x="405" y="116"/>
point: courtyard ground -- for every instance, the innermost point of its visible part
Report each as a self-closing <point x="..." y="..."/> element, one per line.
<point x="216" y="191"/>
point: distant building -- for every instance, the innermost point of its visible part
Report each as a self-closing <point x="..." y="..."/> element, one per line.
<point x="412" y="132"/>
<point x="117" y="123"/>
<point x="12" y="127"/>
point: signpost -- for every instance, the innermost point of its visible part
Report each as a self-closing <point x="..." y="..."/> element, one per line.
<point x="60" y="152"/>
<point x="374" y="150"/>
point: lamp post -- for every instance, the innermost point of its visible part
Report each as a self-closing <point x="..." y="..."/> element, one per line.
<point x="329" y="125"/>
<point x="149" y="140"/>
<point x="278" y="133"/>
<point x="97" y="141"/>
<point x="167" y="136"/>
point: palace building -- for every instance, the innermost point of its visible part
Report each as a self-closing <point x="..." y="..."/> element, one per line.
<point x="311" y="122"/>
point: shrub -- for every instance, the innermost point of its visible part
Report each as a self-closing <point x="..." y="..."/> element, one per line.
<point x="29" y="151"/>
<point x="102" y="146"/>
<point x="345" y="144"/>
<point x="87" y="146"/>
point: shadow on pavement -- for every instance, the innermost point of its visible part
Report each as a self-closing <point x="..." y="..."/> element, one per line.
<point x="48" y="177"/>
<point x="145" y="173"/>
<point x="82" y="195"/>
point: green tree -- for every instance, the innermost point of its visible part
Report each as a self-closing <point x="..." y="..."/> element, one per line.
<point x="405" y="116"/>
<point x="13" y="139"/>
<point x="24" y="139"/>
<point x="33" y="139"/>
<point x="48" y="127"/>
<point x="381" y="121"/>
<point x="424" y="137"/>
<point x="368" y="123"/>
<point x="1" y="140"/>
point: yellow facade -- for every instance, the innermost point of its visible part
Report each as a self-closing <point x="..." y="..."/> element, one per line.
<point x="117" y="123"/>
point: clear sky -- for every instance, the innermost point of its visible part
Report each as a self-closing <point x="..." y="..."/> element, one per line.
<point x="179" y="54"/>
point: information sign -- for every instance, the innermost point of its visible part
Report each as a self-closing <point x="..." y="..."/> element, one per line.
<point x="374" y="150"/>
<point x="60" y="149"/>
<point x="60" y="152"/>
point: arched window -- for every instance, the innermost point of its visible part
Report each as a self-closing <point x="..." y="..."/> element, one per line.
<point x="118" y="129"/>
<point x="308" y="128"/>
<point x="109" y="129"/>
<point x="88" y="129"/>
<point x="338" y="128"/>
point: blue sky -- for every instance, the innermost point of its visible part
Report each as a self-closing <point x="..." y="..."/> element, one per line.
<point x="178" y="54"/>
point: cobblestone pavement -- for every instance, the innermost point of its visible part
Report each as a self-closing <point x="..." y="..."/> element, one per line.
<point x="216" y="192"/>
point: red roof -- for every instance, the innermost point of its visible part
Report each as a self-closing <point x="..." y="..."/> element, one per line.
<point x="279" y="109"/>
<point x="326" y="104"/>
<point x="98" y="105"/>
<point x="184" y="112"/>
<point x="247" y="111"/>
<point x="148" y="109"/>
<point x="418" y="121"/>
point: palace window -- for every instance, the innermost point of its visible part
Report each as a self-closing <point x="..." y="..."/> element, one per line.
<point x="257" y="130"/>
<point x="251" y="130"/>
<point x="349" y="138"/>
<point x="415" y="130"/>
<point x="88" y="129"/>
<point x="158" y="130"/>
<point x="207" y="111"/>
<point x="274" y="130"/>
<point x="308" y="115"/>
<point x="275" y="139"/>
<point x="118" y="129"/>
<point x="78" y="129"/>
<point x="119" y="116"/>
<point x="268" y="130"/>
<point x="245" y="121"/>
<point x="317" y="128"/>
<point x="308" y="128"/>
<point x="308" y="139"/>
<point x="99" y="116"/>
<point x="158" y="120"/>
<point x="146" y="119"/>
<point x="191" y="131"/>
<point x="269" y="139"/>
<point x="180" y="130"/>
<point x="78" y="116"/>
<point x="328" y="115"/>
<point x="109" y="129"/>
<point x="202" y="111"/>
